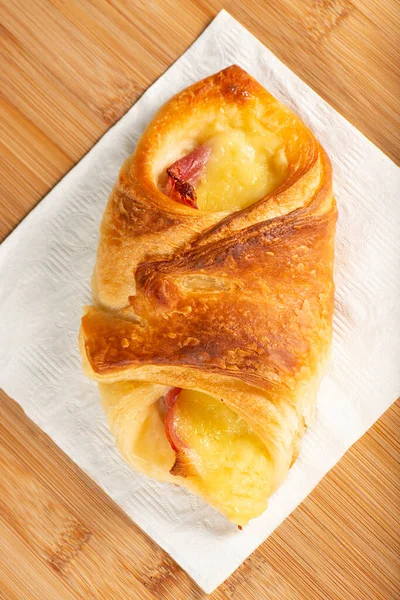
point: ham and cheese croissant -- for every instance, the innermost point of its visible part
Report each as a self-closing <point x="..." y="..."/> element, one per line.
<point x="210" y="328"/>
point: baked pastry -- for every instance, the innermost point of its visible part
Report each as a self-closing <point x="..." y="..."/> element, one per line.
<point x="211" y="322"/>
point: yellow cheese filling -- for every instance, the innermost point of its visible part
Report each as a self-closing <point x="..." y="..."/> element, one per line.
<point x="232" y="463"/>
<point x="244" y="167"/>
<point x="247" y="162"/>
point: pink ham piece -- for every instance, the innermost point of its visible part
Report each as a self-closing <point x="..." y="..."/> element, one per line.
<point x="170" y="399"/>
<point x="184" y="174"/>
<point x="184" y="465"/>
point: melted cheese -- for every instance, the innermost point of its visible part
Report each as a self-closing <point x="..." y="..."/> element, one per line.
<point x="245" y="165"/>
<point x="233" y="464"/>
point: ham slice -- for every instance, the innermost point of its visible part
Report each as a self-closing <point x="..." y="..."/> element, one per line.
<point x="184" y="174"/>
<point x="174" y="438"/>
<point x="184" y="465"/>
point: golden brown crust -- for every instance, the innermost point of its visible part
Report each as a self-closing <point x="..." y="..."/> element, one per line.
<point x="237" y="303"/>
<point x="265" y="313"/>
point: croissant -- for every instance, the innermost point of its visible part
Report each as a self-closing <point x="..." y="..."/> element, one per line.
<point x="211" y="322"/>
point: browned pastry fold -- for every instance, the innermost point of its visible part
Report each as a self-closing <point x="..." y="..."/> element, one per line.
<point x="234" y="304"/>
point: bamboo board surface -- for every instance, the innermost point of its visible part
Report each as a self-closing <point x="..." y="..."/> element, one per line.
<point x="68" y="71"/>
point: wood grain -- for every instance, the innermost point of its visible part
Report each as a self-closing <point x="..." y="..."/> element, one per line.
<point x="68" y="71"/>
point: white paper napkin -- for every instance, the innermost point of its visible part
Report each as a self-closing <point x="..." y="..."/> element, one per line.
<point x="45" y="270"/>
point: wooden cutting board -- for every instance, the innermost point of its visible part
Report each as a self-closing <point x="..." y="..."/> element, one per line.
<point x="69" y="70"/>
